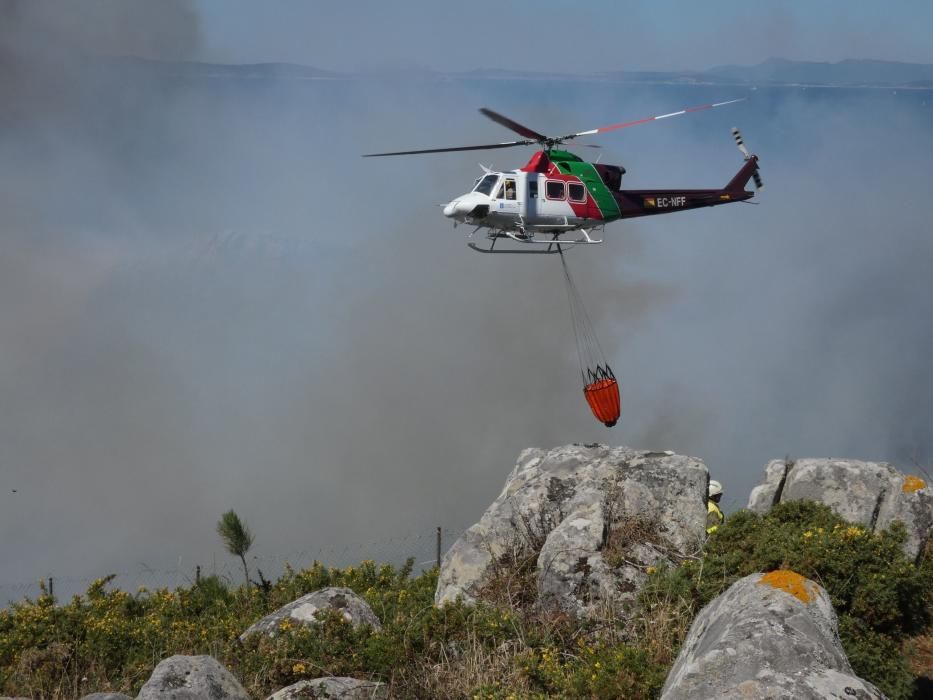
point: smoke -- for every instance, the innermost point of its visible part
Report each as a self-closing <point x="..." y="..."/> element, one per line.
<point x="85" y="404"/>
<point x="46" y="49"/>
<point x="208" y="300"/>
<point x="804" y="328"/>
<point x="32" y="28"/>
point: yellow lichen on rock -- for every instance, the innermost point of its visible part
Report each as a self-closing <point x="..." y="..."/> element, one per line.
<point x="790" y="582"/>
<point x="913" y="483"/>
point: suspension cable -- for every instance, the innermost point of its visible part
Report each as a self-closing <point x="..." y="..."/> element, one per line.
<point x="589" y="352"/>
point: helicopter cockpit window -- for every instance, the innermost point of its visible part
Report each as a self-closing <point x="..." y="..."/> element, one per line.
<point x="577" y="192"/>
<point x="486" y="184"/>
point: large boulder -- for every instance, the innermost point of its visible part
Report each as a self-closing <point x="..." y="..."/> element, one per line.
<point x="590" y="519"/>
<point x="873" y="494"/>
<point x="768" y="636"/>
<point x="305" y="610"/>
<point x="191" y="678"/>
<point x="333" y="688"/>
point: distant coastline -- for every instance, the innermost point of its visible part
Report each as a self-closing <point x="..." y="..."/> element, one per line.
<point x="868" y="74"/>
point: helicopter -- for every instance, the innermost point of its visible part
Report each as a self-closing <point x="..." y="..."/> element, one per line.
<point x="557" y="194"/>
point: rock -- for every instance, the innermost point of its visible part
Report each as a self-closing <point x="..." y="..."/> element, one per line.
<point x="191" y="678"/>
<point x="341" y="688"/>
<point x="303" y="611"/>
<point x="768" y="494"/>
<point x="768" y="636"/>
<point x="873" y="494"/>
<point x="107" y="696"/>
<point x="591" y="518"/>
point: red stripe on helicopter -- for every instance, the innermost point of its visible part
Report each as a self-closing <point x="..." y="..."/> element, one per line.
<point x="584" y="210"/>
<point x="538" y="164"/>
<point x="541" y="163"/>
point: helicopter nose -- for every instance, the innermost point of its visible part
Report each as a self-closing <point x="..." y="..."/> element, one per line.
<point x="460" y="207"/>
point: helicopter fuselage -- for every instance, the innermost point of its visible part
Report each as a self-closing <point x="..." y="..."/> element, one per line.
<point x="558" y="192"/>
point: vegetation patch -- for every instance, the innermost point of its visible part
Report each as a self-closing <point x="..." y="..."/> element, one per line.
<point x="513" y="583"/>
<point x="110" y="640"/>
<point x="624" y="535"/>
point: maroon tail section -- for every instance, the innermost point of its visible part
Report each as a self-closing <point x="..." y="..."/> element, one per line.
<point x="634" y="203"/>
<point x="737" y="184"/>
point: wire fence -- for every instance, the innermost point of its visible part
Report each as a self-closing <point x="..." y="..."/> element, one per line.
<point x="423" y="546"/>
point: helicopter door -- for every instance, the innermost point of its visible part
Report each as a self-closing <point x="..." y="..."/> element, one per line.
<point x="531" y="196"/>
<point x="507" y="201"/>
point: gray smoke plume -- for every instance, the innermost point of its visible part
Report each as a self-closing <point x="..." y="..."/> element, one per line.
<point x="33" y="29"/>
<point x="81" y="143"/>
<point x="208" y="300"/>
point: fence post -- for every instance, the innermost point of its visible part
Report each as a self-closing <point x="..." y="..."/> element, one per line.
<point x="51" y="587"/>
<point x="438" y="547"/>
<point x="197" y="575"/>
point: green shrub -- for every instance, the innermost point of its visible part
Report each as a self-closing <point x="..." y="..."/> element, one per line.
<point x="876" y="657"/>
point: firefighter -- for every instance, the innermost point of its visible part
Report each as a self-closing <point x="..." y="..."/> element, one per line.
<point x="714" y="516"/>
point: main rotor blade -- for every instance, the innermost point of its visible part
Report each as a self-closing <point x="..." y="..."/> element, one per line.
<point x="513" y="125"/>
<point x="487" y="147"/>
<point x="624" y="125"/>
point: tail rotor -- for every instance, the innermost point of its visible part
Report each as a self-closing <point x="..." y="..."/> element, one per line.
<point x="740" y="144"/>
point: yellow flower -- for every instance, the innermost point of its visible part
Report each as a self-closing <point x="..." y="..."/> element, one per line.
<point x="807" y="535"/>
<point x="298" y="668"/>
<point x="651" y="570"/>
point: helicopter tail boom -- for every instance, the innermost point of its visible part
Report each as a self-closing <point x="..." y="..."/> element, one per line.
<point x="634" y="203"/>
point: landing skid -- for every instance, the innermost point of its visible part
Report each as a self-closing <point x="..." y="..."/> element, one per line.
<point x="514" y="251"/>
<point x="554" y="244"/>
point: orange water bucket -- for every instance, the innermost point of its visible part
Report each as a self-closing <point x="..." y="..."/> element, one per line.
<point x="604" y="400"/>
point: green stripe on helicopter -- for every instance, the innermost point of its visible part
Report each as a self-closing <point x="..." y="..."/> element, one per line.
<point x="571" y="164"/>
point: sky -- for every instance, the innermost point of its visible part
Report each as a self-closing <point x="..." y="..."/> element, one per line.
<point x="581" y="36"/>
<point x="209" y="301"/>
